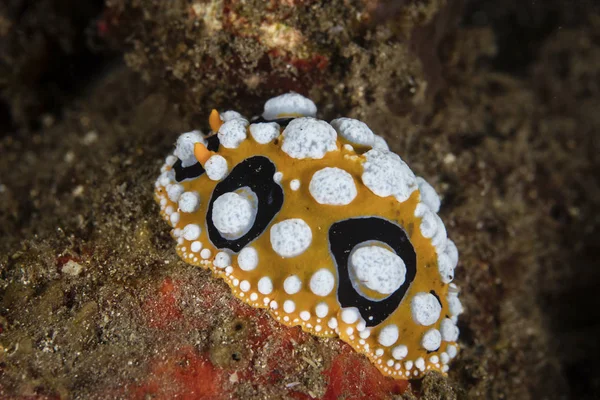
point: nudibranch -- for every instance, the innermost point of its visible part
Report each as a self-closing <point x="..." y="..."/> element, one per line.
<point x="321" y="224"/>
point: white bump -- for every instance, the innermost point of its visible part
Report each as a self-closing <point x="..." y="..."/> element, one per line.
<point x="308" y="138"/>
<point x="265" y="285"/>
<point x="349" y="331"/>
<point x="445" y="368"/>
<point x="350" y="315"/>
<point x="169" y="210"/>
<point x="322" y="282"/>
<point x="174" y="218"/>
<point x="354" y="131"/>
<point x="434" y="359"/>
<point x="332" y="323"/>
<point x="265" y="132"/>
<point x="428" y="224"/>
<point x="454" y="305"/>
<point x="170" y="160"/>
<point x="365" y="334"/>
<point x="248" y="258"/>
<point x="289" y="104"/>
<point x="449" y="330"/>
<point x="400" y="352"/>
<point x="377" y="268"/>
<point x="253" y="297"/>
<point x="291" y="237"/>
<point x="452" y="351"/>
<point x="431" y="340"/>
<point x="425" y="309"/>
<point x="233" y="215"/>
<point x="332" y="186"/>
<point x="445" y="358"/>
<point x="420" y="363"/>
<point x="440" y="239"/>
<point x="244" y="286"/>
<point x="379" y="143"/>
<point x="216" y="167"/>
<point x="174" y="191"/>
<point x="408" y="365"/>
<point x="292" y="284"/>
<point x="388" y="335"/>
<point x="184" y="148"/>
<point x="229" y="115"/>
<point x="196" y="246"/>
<point x="321" y="310"/>
<point x="379" y="352"/>
<point x="428" y="195"/>
<point x="277" y="176"/>
<point x="189" y="202"/>
<point x="390" y="363"/>
<point x="273" y="304"/>
<point x="294" y="184"/>
<point x="318" y="328"/>
<point x="385" y="174"/>
<point x="205" y="253"/>
<point x="232" y="133"/>
<point x="222" y="260"/>
<point x="289" y="306"/>
<point x="191" y="232"/>
<point x="228" y="269"/>
<point x="304" y="315"/>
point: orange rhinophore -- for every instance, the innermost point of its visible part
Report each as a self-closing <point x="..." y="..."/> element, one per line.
<point x="323" y="226"/>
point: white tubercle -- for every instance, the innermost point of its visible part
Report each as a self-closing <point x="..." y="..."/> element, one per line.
<point x="289" y="104"/>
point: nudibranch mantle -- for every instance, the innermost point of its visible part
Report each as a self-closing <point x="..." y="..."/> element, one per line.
<point x="323" y="226"/>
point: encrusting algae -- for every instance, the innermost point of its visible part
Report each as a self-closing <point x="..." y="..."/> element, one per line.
<point x="323" y="226"/>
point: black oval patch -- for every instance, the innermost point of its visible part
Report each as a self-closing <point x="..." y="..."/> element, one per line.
<point x="343" y="237"/>
<point x="257" y="174"/>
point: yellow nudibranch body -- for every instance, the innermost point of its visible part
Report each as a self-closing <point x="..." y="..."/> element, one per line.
<point x="323" y="226"/>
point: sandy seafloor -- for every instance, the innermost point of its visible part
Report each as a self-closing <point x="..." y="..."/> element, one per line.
<point x="496" y="103"/>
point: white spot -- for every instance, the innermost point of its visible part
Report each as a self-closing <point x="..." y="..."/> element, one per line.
<point x="428" y="224"/>
<point x="332" y="323"/>
<point x="400" y="352"/>
<point x="321" y="310"/>
<point x="350" y="315"/>
<point x="304" y="315"/>
<point x="169" y="210"/>
<point x="445" y="368"/>
<point x="332" y="186"/>
<point x="451" y="251"/>
<point x="265" y="285"/>
<point x="308" y="138"/>
<point x="166" y="177"/>
<point x="289" y="306"/>
<point x="244" y="286"/>
<point x="248" y="258"/>
<point x="253" y="297"/>
<point x="349" y="331"/>
<point x="377" y="268"/>
<point x="385" y="174"/>
<point x="445" y="358"/>
<point x="229" y="115"/>
<point x="379" y="143"/>
<point x="454" y="305"/>
<point x="265" y="132"/>
<point x="191" y="232"/>
<point x="420" y="363"/>
<point x="294" y="184"/>
<point x="170" y="160"/>
<point x="452" y="351"/>
<point x="196" y="246"/>
<point x="292" y="284"/>
<point x="174" y="218"/>
<point x="365" y="334"/>
<point x="408" y="365"/>
<point x="222" y="260"/>
<point x="428" y="195"/>
<point x="232" y="133"/>
<point x="361" y="326"/>
<point x="432" y="339"/>
<point x="184" y="148"/>
<point x="233" y="215"/>
<point x="205" y="253"/>
<point x="425" y="309"/>
<point x="291" y="237"/>
<point x="273" y="304"/>
<point x="322" y="282"/>
<point x="440" y="239"/>
<point x="277" y="176"/>
<point x="390" y="363"/>
<point x="318" y="328"/>
<point x="354" y="131"/>
<point x="388" y="335"/>
<point x="289" y="104"/>
<point x="174" y="191"/>
<point x="216" y="167"/>
<point x="434" y="359"/>
<point x="189" y="202"/>
<point x="379" y="352"/>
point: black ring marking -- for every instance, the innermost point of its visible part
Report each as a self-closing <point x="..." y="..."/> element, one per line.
<point x="280" y="121"/>
<point x="195" y="170"/>
<point x="343" y="237"/>
<point x="257" y="174"/>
